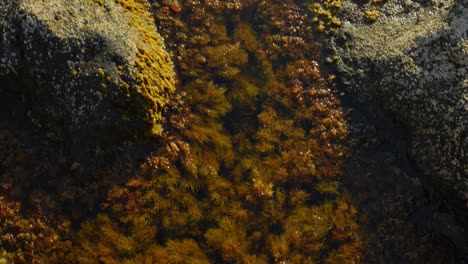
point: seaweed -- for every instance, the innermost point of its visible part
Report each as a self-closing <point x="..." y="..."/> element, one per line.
<point x="246" y="166"/>
<point x="248" y="163"/>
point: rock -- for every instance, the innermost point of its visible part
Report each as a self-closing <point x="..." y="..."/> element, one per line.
<point x="96" y="67"/>
<point x="411" y="63"/>
<point x="9" y="53"/>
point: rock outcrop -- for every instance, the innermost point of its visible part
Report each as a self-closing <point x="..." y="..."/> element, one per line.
<point x="96" y="67"/>
<point x="412" y="63"/>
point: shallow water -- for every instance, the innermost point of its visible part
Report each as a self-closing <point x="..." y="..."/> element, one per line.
<point x="263" y="160"/>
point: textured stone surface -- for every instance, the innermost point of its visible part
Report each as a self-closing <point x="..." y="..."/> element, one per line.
<point x="97" y="67"/>
<point x="9" y="54"/>
<point x="412" y="63"/>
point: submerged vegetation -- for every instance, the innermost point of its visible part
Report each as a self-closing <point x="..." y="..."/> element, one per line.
<point x="246" y="170"/>
<point x="247" y="167"/>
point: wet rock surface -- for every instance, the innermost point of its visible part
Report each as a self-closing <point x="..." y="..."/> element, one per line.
<point x="9" y="58"/>
<point x="412" y="63"/>
<point x="98" y="70"/>
<point x="403" y="220"/>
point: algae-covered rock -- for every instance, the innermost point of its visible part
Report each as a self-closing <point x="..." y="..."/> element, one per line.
<point x="99" y="68"/>
<point x="412" y="63"/>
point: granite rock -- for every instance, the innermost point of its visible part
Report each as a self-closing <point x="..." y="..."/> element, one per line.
<point x="411" y="63"/>
<point x="97" y="68"/>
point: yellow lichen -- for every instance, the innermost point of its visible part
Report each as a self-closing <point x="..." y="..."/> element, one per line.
<point x="335" y="21"/>
<point x="154" y="72"/>
<point x="320" y="27"/>
<point x="325" y="14"/>
<point x="101" y="73"/>
<point x="153" y="75"/>
<point x="372" y="15"/>
<point x="99" y="2"/>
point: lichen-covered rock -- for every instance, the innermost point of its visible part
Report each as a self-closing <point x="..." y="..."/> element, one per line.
<point x="412" y="62"/>
<point x="98" y="67"/>
<point x="9" y="54"/>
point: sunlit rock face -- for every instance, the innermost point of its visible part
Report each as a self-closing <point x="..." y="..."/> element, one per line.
<point x="412" y="63"/>
<point x="97" y="68"/>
